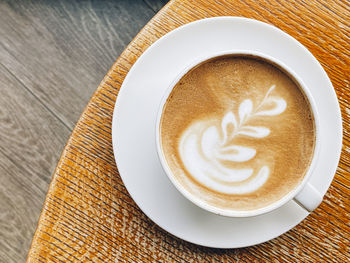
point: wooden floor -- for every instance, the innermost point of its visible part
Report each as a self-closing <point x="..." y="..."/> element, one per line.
<point x="53" y="54"/>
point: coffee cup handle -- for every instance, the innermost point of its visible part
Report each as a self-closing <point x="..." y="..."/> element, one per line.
<point x="309" y="197"/>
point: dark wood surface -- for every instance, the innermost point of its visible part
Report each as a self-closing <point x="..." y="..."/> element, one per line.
<point x="53" y="54"/>
<point x="89" y="216"/>
<point x="156" y="5"/>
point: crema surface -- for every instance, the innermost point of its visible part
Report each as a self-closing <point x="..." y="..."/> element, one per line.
<point x="237" y="132"/>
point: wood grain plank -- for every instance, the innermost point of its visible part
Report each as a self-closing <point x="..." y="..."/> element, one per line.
<point x="62" y="49"/>
<point x="31" y="140"/>
<point x="30" y="136"/>
<point x="19" y="213"/>
<point x="89" y="193"/>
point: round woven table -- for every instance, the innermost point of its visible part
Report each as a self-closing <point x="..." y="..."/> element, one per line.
<point x="89" y="216"/>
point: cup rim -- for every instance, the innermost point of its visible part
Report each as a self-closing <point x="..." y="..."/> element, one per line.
<point x="230" y="212"/>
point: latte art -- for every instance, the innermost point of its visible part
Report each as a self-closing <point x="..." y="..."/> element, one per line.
<point x="204" y="146"/>
<point x="237" y="133"/>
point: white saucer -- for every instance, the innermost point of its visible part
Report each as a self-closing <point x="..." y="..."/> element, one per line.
<point x="133" y="129"/>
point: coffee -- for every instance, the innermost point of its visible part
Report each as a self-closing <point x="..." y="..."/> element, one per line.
<point x="237" y="132"/>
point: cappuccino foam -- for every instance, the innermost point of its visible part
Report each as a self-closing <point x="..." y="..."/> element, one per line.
<point x="237" y="132"/>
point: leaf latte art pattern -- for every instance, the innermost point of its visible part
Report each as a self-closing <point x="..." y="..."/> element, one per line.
<point x="204" y="148"/>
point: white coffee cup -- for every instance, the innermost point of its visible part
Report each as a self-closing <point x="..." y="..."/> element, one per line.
<point x="305" y="194"/>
